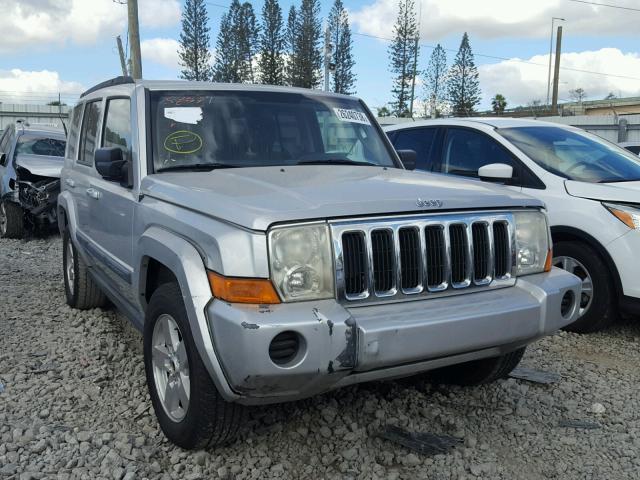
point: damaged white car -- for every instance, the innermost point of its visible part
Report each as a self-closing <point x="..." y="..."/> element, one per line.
<point x="31" y="158"/>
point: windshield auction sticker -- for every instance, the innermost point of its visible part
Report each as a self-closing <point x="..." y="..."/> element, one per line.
<point x="351" y="116"/>
<point x="190" y="115"/>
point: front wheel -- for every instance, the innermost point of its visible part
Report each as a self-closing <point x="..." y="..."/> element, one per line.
<point x="11" y="220"/>
<point x="478" y="372"/>
<point x="597" y="301"/>
<point x="191" y="412"/>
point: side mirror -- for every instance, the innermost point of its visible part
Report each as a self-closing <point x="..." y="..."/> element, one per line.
<point x="110" y="163"/>
<point x="408" y="158"/>
<point x="496" y="172"/>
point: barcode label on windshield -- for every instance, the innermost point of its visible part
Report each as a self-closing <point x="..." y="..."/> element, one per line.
<point x="351" y="116"/>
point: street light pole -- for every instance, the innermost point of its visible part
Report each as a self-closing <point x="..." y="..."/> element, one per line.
<point x="553" y="19"/>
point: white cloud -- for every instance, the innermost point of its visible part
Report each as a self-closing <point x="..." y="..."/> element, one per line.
<point x="51" y="22"/>
<point x="521" y="82"/>
<point x="498" y="18"/>
<point x="163" y="51"/>
<point x="20" y="86"/>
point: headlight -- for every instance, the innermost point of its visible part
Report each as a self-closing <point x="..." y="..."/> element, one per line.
<point x="533" y="243"/>
<point x="301" y="262"/>
<point x="628" y="215"/>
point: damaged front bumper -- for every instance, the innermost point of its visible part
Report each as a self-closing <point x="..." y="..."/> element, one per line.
<point x="39" y="200"/>
<point x="338" y="346"/>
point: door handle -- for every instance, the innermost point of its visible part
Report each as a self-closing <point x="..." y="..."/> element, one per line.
<point x="70" y="182"/>
<point x="93" y="193"/>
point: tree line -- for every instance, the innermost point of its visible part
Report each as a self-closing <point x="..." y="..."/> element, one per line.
<point x="454" y="90"/>
<point x="266" y="48"/>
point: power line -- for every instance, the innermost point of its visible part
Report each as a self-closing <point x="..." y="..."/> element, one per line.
<point x="495" y="57"/>
<point x="608" y="5"/>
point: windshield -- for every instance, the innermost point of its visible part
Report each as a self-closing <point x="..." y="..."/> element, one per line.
<point x="32" y="145"/>
<point x="575" y="155"/>
<point x="257" y="128"/>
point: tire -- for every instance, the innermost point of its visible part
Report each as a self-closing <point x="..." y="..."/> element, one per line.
<point x="479" y="372"/>
<point x="11" y="220"/>
<point x="583" y="261"/>
<point x="197" y="416"/>
<point x="81" y="290"/>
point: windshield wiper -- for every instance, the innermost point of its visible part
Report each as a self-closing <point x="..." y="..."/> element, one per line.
<point x="336" y="161"/>
<point x="206" y="167"/>
<point x="619" y="180"/>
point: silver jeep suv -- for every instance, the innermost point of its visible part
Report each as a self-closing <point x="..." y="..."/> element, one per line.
<point x="270" y="246"/>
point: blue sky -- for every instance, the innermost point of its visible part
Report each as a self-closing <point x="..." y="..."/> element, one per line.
<point x="75" y="44"/>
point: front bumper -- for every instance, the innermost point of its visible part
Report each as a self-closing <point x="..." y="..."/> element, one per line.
<point x="624" y="252"/>
<point x="341" y="346"/>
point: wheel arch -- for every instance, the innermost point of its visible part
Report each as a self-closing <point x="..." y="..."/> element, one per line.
<point x="161" y="254"/>
<point x="568" y="234"/>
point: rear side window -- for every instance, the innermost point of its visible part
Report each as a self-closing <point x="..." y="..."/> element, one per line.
<point x="74" y="132"/>
<point x="420" y="140"/>
<point x="5" y="146"/>
<point x="465" y="151"/>
<point x="117" y="125"/>
<point x="89" y="132"/>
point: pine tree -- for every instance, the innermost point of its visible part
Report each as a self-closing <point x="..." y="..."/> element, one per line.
<point x="236" y="45"/>
<point x="271" y="63"/>
<point x="463" y="84"/>
<point x="292" y="66"/>
<point x="307" y="44"/>
<point x="343" y="76"/>
<point x="193" y="52"/>
<point x="247" y="35"/>
<point x="225" y="66"/>
<point x="402" y="54"/>
<point x="435" y="79"/>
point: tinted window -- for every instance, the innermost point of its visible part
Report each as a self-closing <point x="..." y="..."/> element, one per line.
<point x="421" y="140"/>
<point x="39" y="145"/>
<point x="576" y="155"/>
<point x="117" y="128"/>
<point x="260" y="128"/>
<point x="74" y="131"/>
<point x="89" y="134"/>
<point x="633" y="149"/>
<point x="465" y="151"/>
<point x="4" y="145"/>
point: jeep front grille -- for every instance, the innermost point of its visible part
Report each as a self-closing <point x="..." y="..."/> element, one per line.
<point x="416" y="257"/>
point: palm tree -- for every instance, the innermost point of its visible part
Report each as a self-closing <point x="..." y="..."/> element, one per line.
<point x="498" y="103"/>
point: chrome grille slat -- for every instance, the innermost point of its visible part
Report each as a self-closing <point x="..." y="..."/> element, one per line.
<point x="427" y="256"/>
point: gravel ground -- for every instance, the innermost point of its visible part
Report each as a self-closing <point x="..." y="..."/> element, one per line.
<point x="74" y="404"/>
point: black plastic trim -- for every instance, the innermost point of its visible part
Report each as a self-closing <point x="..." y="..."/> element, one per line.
<point x="121" y="80"/>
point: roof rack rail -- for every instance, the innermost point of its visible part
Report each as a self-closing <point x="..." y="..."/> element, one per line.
<point x="121" y="80"/>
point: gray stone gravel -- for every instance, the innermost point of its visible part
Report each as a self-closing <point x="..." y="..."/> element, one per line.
<point x="74" y="404"/>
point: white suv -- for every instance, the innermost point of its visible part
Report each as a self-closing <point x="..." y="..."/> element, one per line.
<point x="591" y="188"/>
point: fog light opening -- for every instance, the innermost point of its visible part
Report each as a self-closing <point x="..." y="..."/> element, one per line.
<point x="285" y="348"/>
<point x="568" y="303"/>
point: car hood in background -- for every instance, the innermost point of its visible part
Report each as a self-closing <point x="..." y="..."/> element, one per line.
<point x="258" y="197"/>
<point x="41" y="165"/>
<point x="626" y="192"/>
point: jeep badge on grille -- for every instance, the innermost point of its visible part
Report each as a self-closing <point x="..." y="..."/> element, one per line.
<point x="430" y="203"/>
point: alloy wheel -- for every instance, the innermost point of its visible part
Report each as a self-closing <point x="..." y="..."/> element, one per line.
<point x="170" y="367"/>
<point x="3" y="219"/>
<point x="70" y="267"/>
<point x="572" y="265"/>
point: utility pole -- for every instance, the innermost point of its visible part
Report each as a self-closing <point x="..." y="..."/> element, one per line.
<point x="553" y="19"/>
<point x="328" y="48"/>
<point x="123" y="62"/>
<point x="134" y="39"/>
<point x="556" y="71"/>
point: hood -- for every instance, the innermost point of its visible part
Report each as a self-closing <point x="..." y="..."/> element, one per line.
<point x="625" y="192"/>
<point x="257" y="197"/>
<point x="41" y="165"/>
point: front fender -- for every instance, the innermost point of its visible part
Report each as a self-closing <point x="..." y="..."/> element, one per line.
<point x="182" y="258"/>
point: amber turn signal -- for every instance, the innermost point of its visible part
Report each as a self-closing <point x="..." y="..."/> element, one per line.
<point x="549" y="261"/>
<point x="243" y="290"/>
